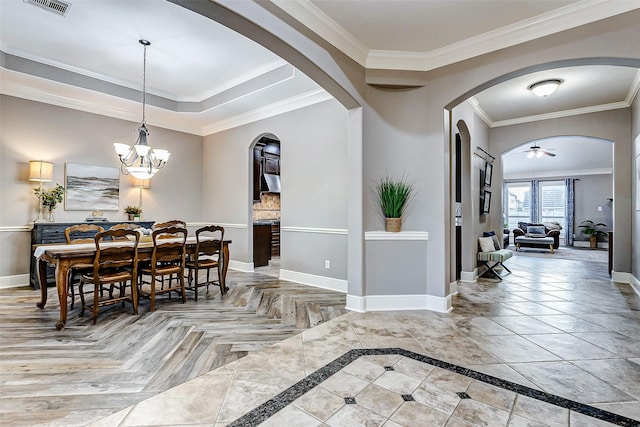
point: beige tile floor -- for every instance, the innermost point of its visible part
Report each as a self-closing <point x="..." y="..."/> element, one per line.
<point x="561" y="328"/>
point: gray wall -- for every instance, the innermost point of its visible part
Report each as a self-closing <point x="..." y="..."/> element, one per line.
<point x="592" y="191"/>
<point x="314" y="190"/>
<point x="33" y="131"/>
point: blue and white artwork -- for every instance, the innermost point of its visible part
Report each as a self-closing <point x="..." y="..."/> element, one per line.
<point x="91" y="187"/>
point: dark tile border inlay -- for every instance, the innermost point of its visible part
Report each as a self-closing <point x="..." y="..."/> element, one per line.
<point x="283" y="399"/>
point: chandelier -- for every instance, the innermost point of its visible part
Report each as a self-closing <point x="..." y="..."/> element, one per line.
<point x="140" y="160"/>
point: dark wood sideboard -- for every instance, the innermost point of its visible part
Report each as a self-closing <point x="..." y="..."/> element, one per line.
<point x="53" y="232"/>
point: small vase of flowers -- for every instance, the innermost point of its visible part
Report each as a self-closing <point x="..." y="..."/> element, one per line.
<point x="48" y="200"/>
<point x="133" y="212"/>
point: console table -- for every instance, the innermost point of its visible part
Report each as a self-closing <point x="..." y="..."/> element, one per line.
<point x="53" y="232"/>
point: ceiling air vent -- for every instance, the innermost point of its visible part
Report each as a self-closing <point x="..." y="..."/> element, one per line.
<point x="55" y="6"/>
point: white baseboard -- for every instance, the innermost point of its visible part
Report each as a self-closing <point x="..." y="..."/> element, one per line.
<point x="621" y="277"/>
<point x="635" y="284"/>
<point x="586" y="244"/>
<point x="399" y="303"/>
<point x="245" y="267"/>
<point x="453" y="288"/>
<point x="14" y="281"/>
<point x="355" y="303"/>
<point x="323" y="282"/>
<point x="469" y="276"/>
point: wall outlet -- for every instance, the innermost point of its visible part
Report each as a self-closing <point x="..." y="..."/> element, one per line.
<point x="327" y="263"/>
<point x="599" y="208"/>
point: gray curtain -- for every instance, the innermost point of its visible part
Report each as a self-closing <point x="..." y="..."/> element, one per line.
<point x="570" y="184"/>
<point x="535" y="215"/>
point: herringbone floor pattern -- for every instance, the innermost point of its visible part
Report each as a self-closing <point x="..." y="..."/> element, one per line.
<point x="85" y="372"/>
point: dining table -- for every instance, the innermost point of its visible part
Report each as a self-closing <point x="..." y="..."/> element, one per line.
<point x="65" y="256"/>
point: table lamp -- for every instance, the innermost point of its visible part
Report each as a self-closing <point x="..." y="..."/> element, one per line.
<point x="40" y="171"/>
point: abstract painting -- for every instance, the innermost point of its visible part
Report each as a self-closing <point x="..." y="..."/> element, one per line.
<point x="88" y="188"/>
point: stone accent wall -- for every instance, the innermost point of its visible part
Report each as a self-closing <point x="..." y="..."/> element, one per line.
<point x="268" y="207"/>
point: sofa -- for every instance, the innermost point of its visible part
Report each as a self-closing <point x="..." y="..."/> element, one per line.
<point x="551" y="229"/>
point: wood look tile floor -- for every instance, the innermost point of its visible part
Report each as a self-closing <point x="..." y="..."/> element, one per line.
<point x="560" y="327"/>
<point x="86" y="372"/>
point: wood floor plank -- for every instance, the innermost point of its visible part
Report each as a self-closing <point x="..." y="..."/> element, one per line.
<point x="85" y="372"/>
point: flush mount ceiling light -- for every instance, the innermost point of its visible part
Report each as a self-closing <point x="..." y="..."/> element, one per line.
<point x="545" y="87"/>
<point x="141" y="160"/>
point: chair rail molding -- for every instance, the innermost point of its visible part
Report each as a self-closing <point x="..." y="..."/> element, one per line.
<point x="401" y="235"/>
<point x="14" y="228"/>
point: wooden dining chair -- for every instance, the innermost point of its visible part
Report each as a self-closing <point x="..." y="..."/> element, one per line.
<point x="114" y="267"/>
<point x="167" y="259"/>
<point x="124" y="226"/>
<point x="206" y="257"/>
<point x="75" y="234"/>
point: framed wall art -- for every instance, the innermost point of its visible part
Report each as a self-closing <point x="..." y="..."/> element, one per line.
<point x="488" y="172"/>
<point x="88" y="188"/>
<point x="486" y="202"/>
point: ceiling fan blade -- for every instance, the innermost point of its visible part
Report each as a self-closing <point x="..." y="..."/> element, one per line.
<point x="548" y="153"/>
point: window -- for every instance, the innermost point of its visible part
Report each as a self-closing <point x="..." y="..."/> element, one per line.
<point x="547" y="204"/>
<point x="553" y="203"/>
<point x="518" y="209"/>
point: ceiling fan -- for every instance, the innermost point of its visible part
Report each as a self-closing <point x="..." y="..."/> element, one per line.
<point x="537" y="152"/>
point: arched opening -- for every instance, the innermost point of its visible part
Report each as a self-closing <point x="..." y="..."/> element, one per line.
<point x="506" y="136"/>
<point x="265" y="208"/>
<point x="560" y="182"/>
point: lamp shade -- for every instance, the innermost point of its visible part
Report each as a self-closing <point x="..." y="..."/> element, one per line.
<point x="40" y="170"/>
<point x="141" y="183"/>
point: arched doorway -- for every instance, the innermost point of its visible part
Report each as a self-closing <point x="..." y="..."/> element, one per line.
<point x="509" y="135"/>
<point x="265" y="173"/>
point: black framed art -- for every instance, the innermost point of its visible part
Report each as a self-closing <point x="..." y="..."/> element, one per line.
<point x="488" y="172"/>
<point x="486" y="202"/>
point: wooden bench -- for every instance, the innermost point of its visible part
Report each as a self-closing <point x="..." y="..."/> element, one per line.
<point x="496" y="258"/>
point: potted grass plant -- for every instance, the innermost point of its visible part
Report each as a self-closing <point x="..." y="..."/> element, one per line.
<point x="394" y="194"/>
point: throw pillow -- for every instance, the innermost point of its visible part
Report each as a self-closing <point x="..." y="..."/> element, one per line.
<point x="535" y="229"/>
<point x="496" y="242"/>
<point x="486" y="244"/>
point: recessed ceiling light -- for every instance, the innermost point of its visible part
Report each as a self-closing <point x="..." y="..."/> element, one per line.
<point x="545" y="87"/>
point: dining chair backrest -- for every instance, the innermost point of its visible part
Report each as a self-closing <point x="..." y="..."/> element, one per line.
<point x="172" y="223"/>
<point x="82" y="233"/>
<point x="209" y="240"/>
<point x="123" y="226"/>
<point x="112" y="257"/>
<point x="164" y="251"/>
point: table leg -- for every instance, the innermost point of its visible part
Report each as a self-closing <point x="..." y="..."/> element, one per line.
<point x="42" y="280"/>
<point x="62" y="270"/>
<point x="551" y="247"/>
<point x="225" y="267"/>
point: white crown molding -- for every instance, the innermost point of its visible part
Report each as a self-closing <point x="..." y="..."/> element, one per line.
<point x="561" y="19"/>
<point x="563" y="174"/>
<point x="473" y="102"/>
<point x="293" y="103"/>
<point x="314" y="230"/>
<point x="633" y="90"/>
<point x="317" y="21"/>
<point x="564" y="113"/>
<point x="402" y="235"/>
